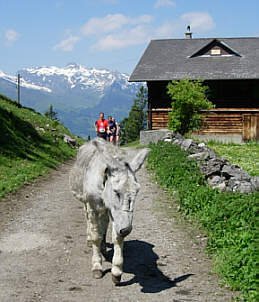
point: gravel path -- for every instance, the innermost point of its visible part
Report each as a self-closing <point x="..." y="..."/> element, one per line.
<point x="44" y="257"/>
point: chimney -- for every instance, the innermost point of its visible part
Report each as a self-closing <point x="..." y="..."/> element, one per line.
<point x="188" y="34"/>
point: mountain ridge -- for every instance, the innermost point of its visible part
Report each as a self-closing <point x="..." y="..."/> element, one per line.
<point x="76" y="92"/>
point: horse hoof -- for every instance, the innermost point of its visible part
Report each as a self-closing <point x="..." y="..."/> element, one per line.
<point x="116" y="279"/>
<point x="97" y="274"/>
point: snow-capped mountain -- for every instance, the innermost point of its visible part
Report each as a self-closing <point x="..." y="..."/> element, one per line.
<point x="74" y="76"/>
<point x="13" y="79"/>
<point x="76" y="92"/>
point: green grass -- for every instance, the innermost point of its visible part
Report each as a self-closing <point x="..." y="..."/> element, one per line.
<point x="246" y="155"/>
<point x="135" y="144"/>
<point x="30" y="145"/>
<point x="228" y="219"/>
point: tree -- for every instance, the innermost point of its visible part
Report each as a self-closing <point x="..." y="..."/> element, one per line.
<point x="131" y="126"/>
<point x="188" y="99"/>
<point x="51" y="113"/>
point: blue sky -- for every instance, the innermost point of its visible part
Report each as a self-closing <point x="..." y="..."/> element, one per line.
<point x="110" y="34"/>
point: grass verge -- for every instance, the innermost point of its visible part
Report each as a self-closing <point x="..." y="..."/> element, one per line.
<point x="229" y="219"/>
<point x="135" y="144"/>
<point x="30" y="145"/>
<point x="245" y="156"/>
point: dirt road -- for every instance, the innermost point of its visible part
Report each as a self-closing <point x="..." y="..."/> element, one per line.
<point x="44" y="257"/>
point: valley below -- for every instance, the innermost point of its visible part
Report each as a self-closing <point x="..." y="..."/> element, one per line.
<point x="77" y="93"/>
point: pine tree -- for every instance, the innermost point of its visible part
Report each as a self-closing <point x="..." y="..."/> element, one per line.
<point x="51" y="113"/>
<point x="131" y="126"/>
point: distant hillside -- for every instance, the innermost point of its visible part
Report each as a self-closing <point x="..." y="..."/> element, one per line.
<point x="30" y="145"/>
<point x="77" y="93"/>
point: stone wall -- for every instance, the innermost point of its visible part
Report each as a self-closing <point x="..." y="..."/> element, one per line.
<point x="153" y="136"/>
<point x="219" y="172"/>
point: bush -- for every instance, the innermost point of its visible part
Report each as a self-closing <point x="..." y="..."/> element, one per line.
<point x="131" y="126"/>
<point x="188" y="98"/>
<point x="229" y="219"/>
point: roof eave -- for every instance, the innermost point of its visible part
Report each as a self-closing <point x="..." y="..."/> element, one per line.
<point x="196" y="78"/>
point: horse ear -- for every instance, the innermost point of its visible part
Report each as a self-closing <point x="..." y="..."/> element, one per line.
<point x="139" y="159"/>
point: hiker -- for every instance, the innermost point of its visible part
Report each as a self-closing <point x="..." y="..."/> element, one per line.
<point x="117" y="132"/>
<point x="102" y="126"/>
<point x="112" y="128"/>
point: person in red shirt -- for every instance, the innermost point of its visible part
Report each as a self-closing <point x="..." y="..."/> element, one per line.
<point x="102" y="126"/>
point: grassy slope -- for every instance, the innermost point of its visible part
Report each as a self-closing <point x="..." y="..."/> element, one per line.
<point x="246" y="156"/>
<point x="229" y="219"/>
<point x="26" y="151"/>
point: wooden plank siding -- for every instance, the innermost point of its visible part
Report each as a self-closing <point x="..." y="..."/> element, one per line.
<point x="243" y="121"/>
<point x="160" y="118"/>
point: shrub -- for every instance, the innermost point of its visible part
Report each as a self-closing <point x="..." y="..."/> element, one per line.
<point x="188" y="98"/>
<point x="229" y="219"/>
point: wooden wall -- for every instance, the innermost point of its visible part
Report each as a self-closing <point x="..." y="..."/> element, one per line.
<point x="236" y="112"/>
<point x="221" y="121"/>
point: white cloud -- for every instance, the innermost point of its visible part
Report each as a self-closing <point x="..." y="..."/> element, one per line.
<point x="67" y="44"/>
<point x="111" y="23"/>
<point x="116" y="31"/>
<point x="111" y="1"/>
<point x="137" y="35"/>
<point x="11" y="36"/>
<point x="199" y="21"/>
<point x="103" y="25"/>
<point x="167" y="30"/>
<point x="160" y="3"/>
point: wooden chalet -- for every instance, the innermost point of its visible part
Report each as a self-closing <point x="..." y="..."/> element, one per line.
<point x="229" y="66"/>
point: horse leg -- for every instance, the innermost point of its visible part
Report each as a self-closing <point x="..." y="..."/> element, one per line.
<point x="104" y="220"/>
<point x="117" y="260"/>
<point x="88" y="233"/>
<point x="96" y="239"/>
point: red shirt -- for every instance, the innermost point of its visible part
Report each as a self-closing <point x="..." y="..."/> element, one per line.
<point x="102" y="126"/>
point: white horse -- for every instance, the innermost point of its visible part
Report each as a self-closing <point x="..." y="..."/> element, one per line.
<point x="104" y="180"/>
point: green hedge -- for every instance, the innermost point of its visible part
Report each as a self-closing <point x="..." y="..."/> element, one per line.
<point x="228" y="218"/>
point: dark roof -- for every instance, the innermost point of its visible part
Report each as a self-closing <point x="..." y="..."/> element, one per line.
<point x="176" y="59"/>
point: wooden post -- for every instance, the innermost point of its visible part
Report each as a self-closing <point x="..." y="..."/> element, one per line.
<point x="149" y="108"/>
<point x="18" y="88"/>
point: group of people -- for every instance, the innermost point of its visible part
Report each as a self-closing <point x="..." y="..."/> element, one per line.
<point x="107" y="129"/>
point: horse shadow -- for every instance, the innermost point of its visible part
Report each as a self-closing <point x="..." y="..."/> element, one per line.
<point x="141" y="261"/>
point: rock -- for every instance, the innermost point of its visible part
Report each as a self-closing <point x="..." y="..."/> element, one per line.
<point x="212" y="167"/>
<point x="245" y="187"/>
<point x="194" y="148"/>
<point x="221" y="186"/>
<point x="179" y="136"/>
<point x="71" y="141"/>
<point x="154" y="136"/>
<point x="200" y="155"/>
<point x="233" y="184"/>
<point x="255" y="182"/>
<point x="217" y="182"/>
<point x="186" y="144"/>
<point x="214" y="180"/>
<point x="236" y="185"/>
<point x="202" y="145"/>
<point x="212" y="154"/>
<point x="169" y="135"/>
<point x="39" y="129"/>
<point x="177" y="141"/>
<point x="234" y="171"/>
